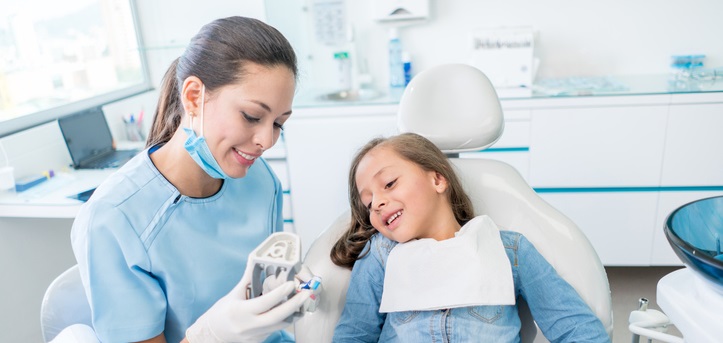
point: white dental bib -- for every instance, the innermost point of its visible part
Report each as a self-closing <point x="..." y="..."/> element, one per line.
<point x="470" y="269"/>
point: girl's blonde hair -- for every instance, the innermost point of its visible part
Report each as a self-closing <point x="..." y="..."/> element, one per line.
<point x="413" y="148"/>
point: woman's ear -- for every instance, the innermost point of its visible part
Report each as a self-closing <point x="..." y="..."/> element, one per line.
<point x="440" y="182"/>
<point x="191" y="94"/>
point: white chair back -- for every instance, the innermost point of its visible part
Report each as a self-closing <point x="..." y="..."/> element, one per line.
<point x="65" y="309"/>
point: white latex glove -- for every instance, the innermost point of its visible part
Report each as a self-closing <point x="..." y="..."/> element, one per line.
<point x="233" y="318"/>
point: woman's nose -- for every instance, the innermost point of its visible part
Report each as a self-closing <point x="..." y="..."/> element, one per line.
<point x="265" y="137"/>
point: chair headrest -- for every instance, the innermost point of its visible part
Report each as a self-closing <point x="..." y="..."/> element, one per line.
<point x="453" y="105"/>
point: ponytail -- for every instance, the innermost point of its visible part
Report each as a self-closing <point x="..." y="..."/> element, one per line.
<point x="169" y="110"/>
<point x="217" y="55"/>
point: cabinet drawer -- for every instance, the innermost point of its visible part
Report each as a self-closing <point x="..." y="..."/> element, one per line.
<point x="287" y="209"/>
<point x="516" y="135"/>
<point x="280" y="169"/>
<point x="597" y="147"/>
<point x="619" y="225"/>
<point x="694" y="146"/>
<point x="520" y="160"/>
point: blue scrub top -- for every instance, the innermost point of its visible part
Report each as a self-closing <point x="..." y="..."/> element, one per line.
<point x="153" y="260"/>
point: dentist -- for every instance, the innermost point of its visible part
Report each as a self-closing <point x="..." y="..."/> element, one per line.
<point x="164" y="241"/>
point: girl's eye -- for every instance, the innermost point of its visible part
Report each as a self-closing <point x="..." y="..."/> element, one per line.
<point x="279" y="126"/>
<point x="390" y="184"/>
<point x="369" y="206"/>
<point x="251" y="119"/>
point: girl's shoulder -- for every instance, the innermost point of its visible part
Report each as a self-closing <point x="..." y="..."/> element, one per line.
<point x="380" y="246"/>
<point x="511" y="238"/>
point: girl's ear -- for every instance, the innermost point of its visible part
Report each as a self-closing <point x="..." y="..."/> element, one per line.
<point x="440" y="183"/>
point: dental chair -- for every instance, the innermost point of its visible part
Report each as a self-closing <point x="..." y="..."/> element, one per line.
<point x="456" y="107"/>
<point x="65" y="312"/>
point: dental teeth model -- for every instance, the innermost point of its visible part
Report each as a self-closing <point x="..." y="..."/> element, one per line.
<point x="277" y="260"/>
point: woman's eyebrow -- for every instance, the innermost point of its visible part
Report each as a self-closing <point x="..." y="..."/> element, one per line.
<point x="267" y="108"/>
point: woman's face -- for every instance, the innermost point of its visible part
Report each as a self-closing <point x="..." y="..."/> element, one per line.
<point x="405" y="202"/>
<point x="243" y="120"/>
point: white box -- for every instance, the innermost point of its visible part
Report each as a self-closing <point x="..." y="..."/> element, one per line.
<point x="505" y="55"/>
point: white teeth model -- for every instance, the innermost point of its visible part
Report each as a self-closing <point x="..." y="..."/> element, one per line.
<point x="248" y="157"/>
<point x="394" y="216"/>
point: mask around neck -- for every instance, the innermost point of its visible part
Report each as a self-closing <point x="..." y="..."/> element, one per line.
<point x="198" y="148"/>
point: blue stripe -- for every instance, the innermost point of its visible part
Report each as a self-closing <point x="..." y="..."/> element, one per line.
<point x="288" y="220"/>
<point x="627" y="189"/>
<point x="286" y="191"/>
<point x="517" y="149"/>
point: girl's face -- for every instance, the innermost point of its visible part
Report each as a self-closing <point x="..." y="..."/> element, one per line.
<point x="241" y="121"/>
<point x="405" y="202"/>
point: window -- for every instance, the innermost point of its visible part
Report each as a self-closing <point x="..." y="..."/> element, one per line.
<point x="60" y="57"/>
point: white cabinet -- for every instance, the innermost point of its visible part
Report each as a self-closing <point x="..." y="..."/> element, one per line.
<point x="619" y="225"/>
<point x="597" y="146"/>
<point x="617" y="169"/>
<point x="692" y="165"/>
<point x="514" y="145"/>
<point x="319" y="153"/>
<point x="694" y="146"/>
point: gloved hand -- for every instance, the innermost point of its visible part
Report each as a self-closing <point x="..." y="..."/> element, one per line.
<point x="234" y="318"/>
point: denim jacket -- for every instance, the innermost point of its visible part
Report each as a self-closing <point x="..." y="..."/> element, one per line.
<point x="558" y="310"/>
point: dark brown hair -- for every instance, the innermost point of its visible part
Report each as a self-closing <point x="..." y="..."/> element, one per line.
<point x="217" y="55"/>
<point x="413" y="148"/>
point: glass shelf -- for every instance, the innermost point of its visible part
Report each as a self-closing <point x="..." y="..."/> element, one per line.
<point x="573" y="87"/>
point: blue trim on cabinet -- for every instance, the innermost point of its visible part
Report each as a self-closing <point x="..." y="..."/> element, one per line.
<point x="511" y="149"/>
<point x="627" y="189"/>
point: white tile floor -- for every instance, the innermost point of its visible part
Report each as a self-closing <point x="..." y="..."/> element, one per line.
<point x="627" y="285"/>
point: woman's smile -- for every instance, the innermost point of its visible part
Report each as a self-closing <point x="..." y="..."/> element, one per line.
<point x="245" y="158"/>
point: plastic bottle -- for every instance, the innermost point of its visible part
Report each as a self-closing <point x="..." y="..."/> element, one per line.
<point x="407" y="64"/>
<point x="396" y="66"/>
<point x="344" y="65"/>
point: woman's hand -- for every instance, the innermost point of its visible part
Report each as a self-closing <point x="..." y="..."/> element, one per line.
<point x="236" y="319"/>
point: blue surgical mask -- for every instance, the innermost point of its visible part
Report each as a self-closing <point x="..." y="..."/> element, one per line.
<point x="198" y="148"/>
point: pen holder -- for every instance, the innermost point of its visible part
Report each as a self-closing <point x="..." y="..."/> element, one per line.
<point x="7" y="180"/>
<point x="134" y="133"/>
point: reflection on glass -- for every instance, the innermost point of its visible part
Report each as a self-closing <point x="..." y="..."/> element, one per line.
<point x="57" y="52"/>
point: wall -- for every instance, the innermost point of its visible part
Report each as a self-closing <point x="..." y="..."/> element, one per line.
<point x="167" y="26"/>
<point x="589" y="38"/>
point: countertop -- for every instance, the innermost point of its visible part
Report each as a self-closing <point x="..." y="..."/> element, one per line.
<point x="569" y="87"/>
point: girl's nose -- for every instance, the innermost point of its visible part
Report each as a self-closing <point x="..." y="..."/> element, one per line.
<point x="378" y="204"/>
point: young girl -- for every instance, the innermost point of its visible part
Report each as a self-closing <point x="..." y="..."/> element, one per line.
<point x="425" y="269"/>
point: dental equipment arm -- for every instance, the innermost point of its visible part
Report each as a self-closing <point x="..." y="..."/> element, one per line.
<point x="650" y="323"/>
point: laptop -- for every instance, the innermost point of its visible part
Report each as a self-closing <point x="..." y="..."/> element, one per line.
<point x="89" y="141"/>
